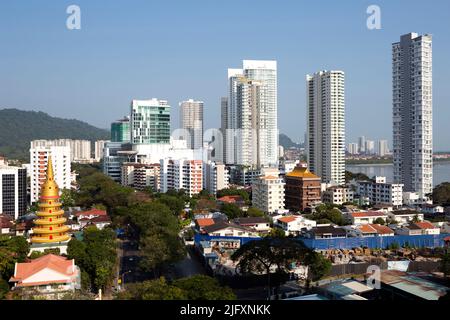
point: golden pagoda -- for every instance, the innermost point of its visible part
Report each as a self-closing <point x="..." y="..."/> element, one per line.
<point x="50" y="226"/>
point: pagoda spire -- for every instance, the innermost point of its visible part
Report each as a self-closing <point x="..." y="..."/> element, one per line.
<point x="50" y="226"/>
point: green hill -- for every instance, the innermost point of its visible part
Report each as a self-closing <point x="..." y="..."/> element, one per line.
<point x="18" y="128"/>
<point x="287" y="143"/>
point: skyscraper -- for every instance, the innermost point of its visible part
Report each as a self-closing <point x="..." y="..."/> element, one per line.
<point x="150" y="122"/>
<point x="252" y="135"/>
<point x="362" y="144"/>
<point x="412" y="113"/>
<point x="39" y="156"/>
<point x="326" y="125"/>
<point x="120" y="130"/>
<point x="382" y="148"/>
<point x="191" y="120"/>
<point x="13" y="190"/>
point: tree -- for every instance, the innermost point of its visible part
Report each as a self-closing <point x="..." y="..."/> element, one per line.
<point x="268" y="255"/>
<point x="157" y="289"/>
<point x="67" y="198"/>
<point x="96" y="256"/>
<point x="12" y="250"/>
<point x="157" y="229"/>
<point x="441" y="194"/>
<point x="4" y="288"/>
<point x="234" y="192"/>
<point x="255" y="212"/>
<point x="326" y="213"/>
<point x="318" y="265"/>
<point x="379" y="221"/>
<point x="445" y="263"/>
<point x="201" y="287"/>
<point x="276" y="233"/>
<point x="231" y="210"/>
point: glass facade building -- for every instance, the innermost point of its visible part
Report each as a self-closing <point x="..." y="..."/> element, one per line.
<point x="150" y="122"/>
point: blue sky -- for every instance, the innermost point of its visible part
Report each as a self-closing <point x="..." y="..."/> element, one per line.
<point x="177" y="50"/>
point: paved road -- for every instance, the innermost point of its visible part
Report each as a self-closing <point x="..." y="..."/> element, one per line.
<point x="129" y="264"/>
<point x="188" y="267"/>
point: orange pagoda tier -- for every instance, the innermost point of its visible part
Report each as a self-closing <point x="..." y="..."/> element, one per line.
<point x="50" y="226"/>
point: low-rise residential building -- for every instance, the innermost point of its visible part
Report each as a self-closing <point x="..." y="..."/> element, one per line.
<point x="411" y="199"/>
<point x="100" y="222"/>
<point x="369" y="217"/>
<point x="294" y="225"/>
<point x="430" y="209"/>
<point x="268" y="192"/>
<point x="337" y="195"/>
<point x="418" y="228"/>
<point x="234" y="199"/>
<point x="326" y="232"/>
<point x="203" y="222"/>
<point x="371" y="230"/>
<point x="381" y="192"/>
<point x="5" y="224"/>
<point x="50" y="276"/>
<point x="405" y="216"/>
<point x="225" y="229"/>
<point x="90" y="214"/>
<point x="259" y="224"/>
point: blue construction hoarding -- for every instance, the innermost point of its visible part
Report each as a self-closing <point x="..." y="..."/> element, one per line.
<point x="429" y="241"/>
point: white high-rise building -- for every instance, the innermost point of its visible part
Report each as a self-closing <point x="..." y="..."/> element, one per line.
<point x="382" y="148"/>
<point x="177" y="174"/>
<point x="99" y="146"/>
<point x="252" y="123"/>
<point x="268" y="191"/>
<point x="413" y="113"/>
<point x="38" y="166"/>
<point x="352" y="148"/>
<point x="191" y="120"/>
<point x="370" y="147"/>
<point x="216" y="176"/>
<point x="326" y="125"/>
<point x="362" y="144"/>
<point x="80" y="150"/>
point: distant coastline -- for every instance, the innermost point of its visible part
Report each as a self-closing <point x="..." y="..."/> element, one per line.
<point x="383" y="162"/>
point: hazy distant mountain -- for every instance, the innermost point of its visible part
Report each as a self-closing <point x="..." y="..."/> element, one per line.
<point x="18" y="128"/>
<point x="286" y="142"/>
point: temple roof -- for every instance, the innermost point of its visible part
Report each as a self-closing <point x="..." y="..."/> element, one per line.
<point x="302" y="172"/>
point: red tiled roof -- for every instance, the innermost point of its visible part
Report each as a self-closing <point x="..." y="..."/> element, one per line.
<point x="101" y="219"/>
<point x="5" y="222"/>
<point x="230" y="199"/>
<point x="382" y="229"/>
<point x="424" y="225"/>
<point x="205" y="222"/>
<point x="92" y="212"/>
<point x="50" y="261"/>
<point x="366" y="228"/>
<point x="287" y="219"/>
<point x="368" y="214"/>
